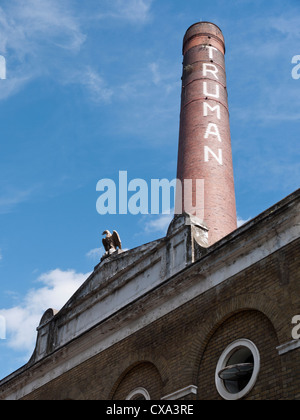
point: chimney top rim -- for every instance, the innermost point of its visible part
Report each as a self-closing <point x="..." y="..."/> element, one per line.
<point x="199" y="23"/>
<point x="204" y="29"/>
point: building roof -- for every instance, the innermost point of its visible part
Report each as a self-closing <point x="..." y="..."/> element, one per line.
<point x="129" y="291"/>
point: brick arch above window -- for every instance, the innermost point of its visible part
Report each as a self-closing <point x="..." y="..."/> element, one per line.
<point x="247" y="325"/>
<point x="140" y="376"/>
<point x="224" y="311"/>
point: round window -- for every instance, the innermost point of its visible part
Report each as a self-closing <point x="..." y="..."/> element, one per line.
<point x="237" y="370"/>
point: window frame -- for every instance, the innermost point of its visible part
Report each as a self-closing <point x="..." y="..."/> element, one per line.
<point x="138" y="391"/>
<point x="222" y="363"/>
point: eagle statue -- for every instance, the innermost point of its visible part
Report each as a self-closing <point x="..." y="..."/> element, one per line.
<point x="111" y="242"/>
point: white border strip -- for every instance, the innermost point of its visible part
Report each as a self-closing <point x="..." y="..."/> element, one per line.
<point x="192" y="389"/>
<point x="287" y="347"/>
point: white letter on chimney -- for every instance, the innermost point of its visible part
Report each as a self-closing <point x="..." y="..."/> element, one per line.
<point x="219" y="158"/>
<point x="213" y="70"/>
<point x="212" y="130"/>
<point x="211" y="51"/>
<point x="211" y="95"/>
<point x="216" y="108"/>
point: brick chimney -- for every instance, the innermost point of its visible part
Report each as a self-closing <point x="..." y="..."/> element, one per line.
<point x="204" y="138"/>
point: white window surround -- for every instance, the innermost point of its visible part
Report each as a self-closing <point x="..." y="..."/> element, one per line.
<point x="181" y="393"/>
<point x="226" y="355"/>
<point x="138" y="391"/>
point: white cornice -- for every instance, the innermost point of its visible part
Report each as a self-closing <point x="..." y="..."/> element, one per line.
<point x="238" y="252"/>
<point x="288" y="347"/>
<point x="181" y="393"/>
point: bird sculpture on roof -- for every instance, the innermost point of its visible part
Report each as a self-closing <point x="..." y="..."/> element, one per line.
<point x="111" y="242"/>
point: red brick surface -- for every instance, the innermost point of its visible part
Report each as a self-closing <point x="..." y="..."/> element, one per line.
<point x="219" y="200"/>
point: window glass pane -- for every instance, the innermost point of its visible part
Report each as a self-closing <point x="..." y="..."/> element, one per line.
<point x="238" y="375"/>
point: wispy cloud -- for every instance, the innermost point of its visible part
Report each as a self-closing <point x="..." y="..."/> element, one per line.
<point x="92" y="82"/>
<point x="133" y="11"/>
<point x="157" y="77"/>
<point x="167" y="80"/>
<point x="161" y="223"/>
<point x="158" y="224"/>
<point x="272" y="107"/>
<point x="8" y="201"/>
<point x="28" y="26"/>
<point x="279" y="32"/>
<point x="95" y="254"/>
<point x="13" y="85"/>
<point x="241" y="221"/>
<point x="287" y="24"/>
<point x="262" y="69"/>
<point x="44" y="38"/>
<point x="34" y="36"/>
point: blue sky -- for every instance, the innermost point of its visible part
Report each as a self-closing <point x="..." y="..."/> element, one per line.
<point x="93" y="88"/>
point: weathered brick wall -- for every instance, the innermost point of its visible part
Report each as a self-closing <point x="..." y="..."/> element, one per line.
<point x="291" y="375"/>
<point x="144" y="375"/>
<point x="256" y="327"/>
<point x="183" y="348"/>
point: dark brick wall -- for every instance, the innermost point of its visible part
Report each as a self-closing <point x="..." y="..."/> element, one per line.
<point x="144" y="375"/>
<point x="255" y="327"/>
<point x="183" y="348"/>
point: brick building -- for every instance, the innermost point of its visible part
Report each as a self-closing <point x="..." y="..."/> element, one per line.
<point x="191" y="316"/>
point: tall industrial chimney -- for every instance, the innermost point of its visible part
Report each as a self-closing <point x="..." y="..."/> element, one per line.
<point x="204" y="139"/>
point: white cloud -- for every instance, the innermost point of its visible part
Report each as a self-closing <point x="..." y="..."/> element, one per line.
<point x="9" y="200"/>
<point x="159" y="223"/>
<point x="33" y="35"/>
<point x="156" y="75"/>
<point x="167" y="80"/>
<point x="287" y="24"/>
<point x="94" y="84"/>
<point x="28" y="26"/>
<point x="272" y="95"/>
<point x="133" y="11"/>
<point x="21" y="321"/>
<point x="242" y="222"/>
<point x="45" y="38"/>
<point x="13" y="85"/>
<point x="95" y="254"/>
